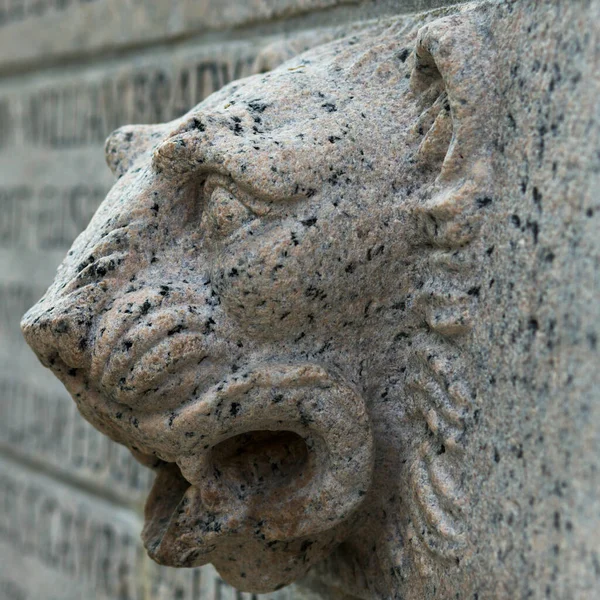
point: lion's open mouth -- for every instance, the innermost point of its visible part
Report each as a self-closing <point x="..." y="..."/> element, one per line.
<point x="183" y="521"/>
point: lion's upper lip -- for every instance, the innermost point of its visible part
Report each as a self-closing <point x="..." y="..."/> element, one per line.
<point x="58" y="327"/>
<point x="153" y="356"/>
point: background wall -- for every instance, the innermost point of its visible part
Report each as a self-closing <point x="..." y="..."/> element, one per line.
<point x="71" y="71"/>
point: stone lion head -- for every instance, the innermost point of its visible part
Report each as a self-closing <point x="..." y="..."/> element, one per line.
<point x="268" y="306"/>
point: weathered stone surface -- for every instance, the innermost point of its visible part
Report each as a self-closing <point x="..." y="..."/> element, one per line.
<point x="53" y="178"/>
<point x="52" y="130"/>
<point x="28" y="28"/>
<point x="348" y="311"/>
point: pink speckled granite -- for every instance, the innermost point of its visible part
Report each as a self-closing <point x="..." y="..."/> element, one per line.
<point x="296" y="304"/>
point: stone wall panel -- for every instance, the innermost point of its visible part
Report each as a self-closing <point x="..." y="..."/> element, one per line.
<point x="28" y="28"/>
<point x="58" y="543"/>
<point x="71" y="71"/>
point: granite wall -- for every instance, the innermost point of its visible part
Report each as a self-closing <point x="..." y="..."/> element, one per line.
<point x="71" y="71"/>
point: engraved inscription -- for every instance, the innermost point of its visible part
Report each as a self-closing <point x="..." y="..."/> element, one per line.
<point x="45" y="425"/>
<point x="75" y="536"/>
<point x="12" y="11"/>
<point x="36" y="522"/>
<point x="12" y="590"/>
<point x="46" y="218"/>
<point x="84" y="113"/>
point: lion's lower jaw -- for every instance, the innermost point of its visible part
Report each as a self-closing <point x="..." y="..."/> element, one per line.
<point x="180" y="531"/>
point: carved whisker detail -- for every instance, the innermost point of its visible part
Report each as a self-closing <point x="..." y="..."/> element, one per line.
<point x="442" y="400"/>
<point x="435" y="517"/>
<point x="449" y="260"/>
<point x="447" y="488"/>
<point x="429" y="115"/>
<point x="438" y="501"/>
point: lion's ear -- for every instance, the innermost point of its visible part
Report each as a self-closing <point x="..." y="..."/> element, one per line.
<point x="126" y="144"/>
<point x="452" y="65"/>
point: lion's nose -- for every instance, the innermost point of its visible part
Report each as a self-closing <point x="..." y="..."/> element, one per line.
<point x="58" y="335"/>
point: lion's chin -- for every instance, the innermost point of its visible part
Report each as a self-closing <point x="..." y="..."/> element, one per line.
<point x="173" y="517"/>
<point x="166" y="495"/>
<point x="182" y="531"/>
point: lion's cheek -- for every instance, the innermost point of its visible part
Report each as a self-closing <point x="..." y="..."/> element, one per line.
<point x="270" y="288"/>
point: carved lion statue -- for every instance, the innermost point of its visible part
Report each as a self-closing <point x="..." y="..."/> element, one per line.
<point x="271" y="305"/>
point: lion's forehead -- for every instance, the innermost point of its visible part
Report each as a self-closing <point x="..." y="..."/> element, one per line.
<point x="299" y="128"/>
<point x="327" y="72"/>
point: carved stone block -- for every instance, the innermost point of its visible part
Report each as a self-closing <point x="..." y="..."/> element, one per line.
<point x="333" y="306"/>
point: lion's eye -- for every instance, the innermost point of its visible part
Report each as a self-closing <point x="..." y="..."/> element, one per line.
<point x="223" y="213"/>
